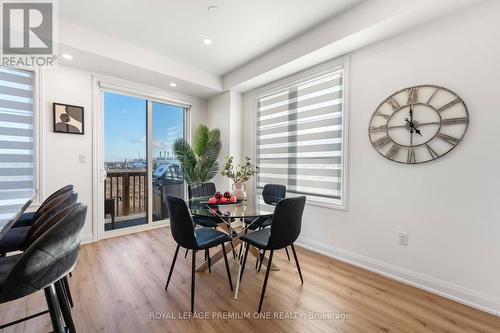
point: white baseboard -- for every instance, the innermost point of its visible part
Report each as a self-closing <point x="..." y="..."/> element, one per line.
<point x="470" y="297"/>
<point x="86" y="239"/>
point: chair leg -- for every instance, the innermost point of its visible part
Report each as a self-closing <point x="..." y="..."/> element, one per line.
<point x="193" y="267"/>
<point x="234" y="251"/>
<point x="207" y="258"/>
<point x="172" y="267"/>
<point x="297" y="263"/>
<point x="54" y="309"/>
<point x="288" y="255"/>
<point x="65" y="306"/>
<point x="65" y="284"/>
<point x="227" y="267"/>
<point x="262" y="260"/>
<point x="244" y="261"/>
<point x="268" y="269"/>
<point x="186" y="254"/>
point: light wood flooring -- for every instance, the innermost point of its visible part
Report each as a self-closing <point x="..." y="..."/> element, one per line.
<point x="119" y="282"/>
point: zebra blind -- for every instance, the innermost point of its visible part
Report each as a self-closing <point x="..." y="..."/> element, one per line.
<point x="300" y="138"/>
<point x="17" y="181"/>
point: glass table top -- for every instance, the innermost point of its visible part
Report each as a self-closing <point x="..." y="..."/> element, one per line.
<point x="253" y="206"/>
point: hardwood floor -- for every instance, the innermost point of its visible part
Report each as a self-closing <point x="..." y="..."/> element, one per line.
<point x="119" y="282"/>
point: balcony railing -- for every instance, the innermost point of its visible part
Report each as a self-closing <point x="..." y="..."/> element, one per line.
<point x="127" y="189"/>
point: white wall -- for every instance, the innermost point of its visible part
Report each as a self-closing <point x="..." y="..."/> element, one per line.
<point x="60" y="152"/>
<point x="224" y="111"/>
<point x="449" y="207"/>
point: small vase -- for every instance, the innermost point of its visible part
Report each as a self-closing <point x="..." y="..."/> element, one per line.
<point x="239" y="191"/>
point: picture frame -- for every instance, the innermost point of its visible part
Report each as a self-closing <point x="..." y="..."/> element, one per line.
<point x="68" y="119"/>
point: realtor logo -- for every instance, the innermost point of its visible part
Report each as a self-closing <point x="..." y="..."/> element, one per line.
<point x="28" y="29"/>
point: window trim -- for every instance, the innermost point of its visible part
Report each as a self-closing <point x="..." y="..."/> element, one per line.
<point x="294" y="79"/>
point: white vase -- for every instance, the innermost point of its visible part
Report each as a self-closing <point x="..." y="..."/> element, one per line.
<point x="239" y="191"/>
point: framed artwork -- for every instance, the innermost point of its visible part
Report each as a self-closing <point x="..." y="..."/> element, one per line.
<point x="68" y="118"/>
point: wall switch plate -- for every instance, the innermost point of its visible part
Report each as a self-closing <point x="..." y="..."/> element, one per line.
<point x="82" y="158"/>
<point x="403" y="238"/>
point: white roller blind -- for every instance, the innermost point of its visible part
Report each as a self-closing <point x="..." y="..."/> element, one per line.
<point x="16" y="137"/>
<point x="300" y="138"/>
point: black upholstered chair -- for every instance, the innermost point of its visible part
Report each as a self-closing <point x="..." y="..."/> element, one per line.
<point x="186" y="236"/>
<point x="42" y="266"/>
<point x="27" y="219"/>
<point x="17" y="239"/>
<point x="284" y="230"/>
<point x="203" y="190"/>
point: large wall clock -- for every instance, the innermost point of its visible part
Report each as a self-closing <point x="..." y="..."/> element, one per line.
<point x="418" y="124"/>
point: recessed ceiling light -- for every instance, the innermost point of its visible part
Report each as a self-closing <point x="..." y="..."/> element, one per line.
<point x="207" y="41"/>
<point x="67" y="56"/>
<point x="173" y="84"/>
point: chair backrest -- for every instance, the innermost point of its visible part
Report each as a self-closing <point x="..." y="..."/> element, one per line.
<point x="201" y="190"/>
<point x="287" y="221"/>
<point x="43" y="207"/>
<point x="41" y="224"/>
<point x="181" y="222"/>
<point x="52" y="256"/>
<point x="272" y="192"/>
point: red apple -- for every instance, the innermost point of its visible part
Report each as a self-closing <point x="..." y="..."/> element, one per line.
<point x="227" y="195"/>
<point x="218" y="195"/>
<point x="233" y="199"/>
<point x="212" y="200"/>
<point x="223" y="200"/>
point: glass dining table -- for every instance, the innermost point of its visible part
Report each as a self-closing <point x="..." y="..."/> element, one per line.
<point x="252" y="209"/>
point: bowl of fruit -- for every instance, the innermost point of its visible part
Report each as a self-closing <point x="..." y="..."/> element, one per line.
<point x="223" y="199"/>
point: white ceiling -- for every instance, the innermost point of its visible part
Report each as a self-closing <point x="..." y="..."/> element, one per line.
<point x="242" y="30"/>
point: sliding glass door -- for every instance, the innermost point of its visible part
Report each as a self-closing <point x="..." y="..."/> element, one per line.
<point x="140" y="166"/>
<point x="168" y="125"/>
<point x="125" y="161"/>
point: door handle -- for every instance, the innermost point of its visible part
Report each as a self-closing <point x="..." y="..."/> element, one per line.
<point x="104" y="175"/>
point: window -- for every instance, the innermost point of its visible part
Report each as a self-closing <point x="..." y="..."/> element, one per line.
<point x="300" y="138"/>
<point x="17" y="170"/>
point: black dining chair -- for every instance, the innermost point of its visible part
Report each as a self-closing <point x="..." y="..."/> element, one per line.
<point x="186" y="236"/>
<point x="42" y="266"/>
<point x="271" y="194"/>
<point x="16" y="239"/>
<point x="204" y="190"/>
<point x="284" y="231"/>
<point x="27" y="219"/>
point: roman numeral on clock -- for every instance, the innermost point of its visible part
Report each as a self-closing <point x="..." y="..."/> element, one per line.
<point x="381" y="128"/>
<point x="379" y="143"/>
<point x="448" y="138"/>
<point x="431" y="151"/>
<point x="386" y="116"/>
<point x="410" y="158"/>
<point x="450" y="104"/>
<point x="412" y="95"/>
<point x="395" y="105"/>
<point x="455" y="121"/>
<point x="393" y="152"/>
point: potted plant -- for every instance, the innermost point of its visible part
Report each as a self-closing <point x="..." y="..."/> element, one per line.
<point x="239" y="175"/>
<point x="199" y="161"/>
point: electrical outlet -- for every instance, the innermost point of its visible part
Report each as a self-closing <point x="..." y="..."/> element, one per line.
<point x="403" y="238"/>
<point x="82" y="158"/>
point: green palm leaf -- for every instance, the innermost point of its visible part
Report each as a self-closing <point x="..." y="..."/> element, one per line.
<point x="199" y="162"/>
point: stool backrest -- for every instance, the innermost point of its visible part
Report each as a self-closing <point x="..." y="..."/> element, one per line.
<point x="54" y="207"/>
<point x="50" y="257"/>
<point x="46" y="204"/>
<point x="181" y="222"/>
<point x="287" y="222"/>
<point x="201" y="190"/>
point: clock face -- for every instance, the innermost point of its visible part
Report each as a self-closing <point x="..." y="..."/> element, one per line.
<point x="418" y="124"/>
